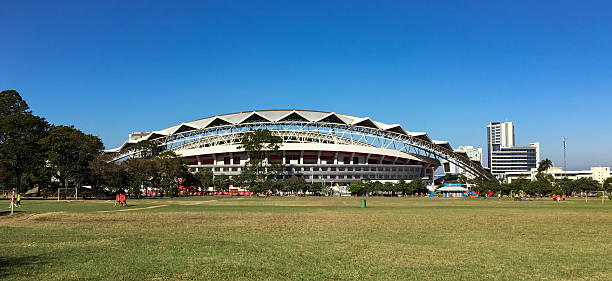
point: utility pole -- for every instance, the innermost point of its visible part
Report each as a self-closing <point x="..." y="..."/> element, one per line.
<point x="564" y="159"/>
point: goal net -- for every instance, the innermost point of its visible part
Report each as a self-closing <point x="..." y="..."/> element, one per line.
<point x="67" y="193"/>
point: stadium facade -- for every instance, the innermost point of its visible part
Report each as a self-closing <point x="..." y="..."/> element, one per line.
<point x="317" y="146"/>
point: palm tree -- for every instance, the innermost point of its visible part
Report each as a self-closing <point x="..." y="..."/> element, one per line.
<point x="545" y="165"/>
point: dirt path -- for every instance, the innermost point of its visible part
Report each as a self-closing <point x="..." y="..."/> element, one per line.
<point x="134" y="209"/>
<point x="196" y="203"/>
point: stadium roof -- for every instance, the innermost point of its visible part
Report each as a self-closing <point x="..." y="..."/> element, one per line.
<point x="284" y="115"/>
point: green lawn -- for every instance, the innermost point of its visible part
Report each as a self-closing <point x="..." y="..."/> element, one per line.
<point x="307" y="238"/>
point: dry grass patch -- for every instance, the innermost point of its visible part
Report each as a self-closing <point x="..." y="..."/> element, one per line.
<point x="311" y="239"/>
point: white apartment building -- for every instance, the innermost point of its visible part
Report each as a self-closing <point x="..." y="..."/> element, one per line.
<point x="475" y="154"/>
<point x="503" y="156"/>
<point x="599" y="174"/>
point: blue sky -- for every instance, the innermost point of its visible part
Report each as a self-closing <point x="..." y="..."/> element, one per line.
<point x="447" y="68"/>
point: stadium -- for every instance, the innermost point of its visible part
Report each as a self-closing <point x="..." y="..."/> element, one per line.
<point x="317" y="147"/>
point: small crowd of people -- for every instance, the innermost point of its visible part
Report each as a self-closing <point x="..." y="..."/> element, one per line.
<point x="558" y="197"/>
<point x="120" y="200"/>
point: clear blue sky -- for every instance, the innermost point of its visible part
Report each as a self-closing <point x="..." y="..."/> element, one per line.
<point x="447" y="68"/>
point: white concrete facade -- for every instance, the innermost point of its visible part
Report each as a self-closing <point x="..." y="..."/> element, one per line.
<point x="599" y="174"/>
<point x="475" y="154"/>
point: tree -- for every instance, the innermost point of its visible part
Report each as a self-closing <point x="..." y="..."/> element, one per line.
<point x="4" y="176"/>
<point x="389" y="187"/>
<point x="566" y="185"/>
<point x="32" y="152"/>
<point x="147" y="148"/>
<point x="140" y="172"/>
<point x="401" y="187"/>
<point x="506" y="188"/>
<point x="295" y="184"/>
<point x="262" y="187"/>
<point x="483" y="186"/>
<point x="205" y="178"/>
<point x="169" y="168"/>
<point x="315" y="188"/>
<point x="222" y="183"/>
<point x="545" y="165"/>
<point x="586" y="184"/>
<point x="11" y="103"/>
<point x="607" y="185"/>
<point x="519" y="184"/>
<point x="259" y="145"/>
<point x="108" y="175"/>
<point x="541" y="186"/>
<point x="68" y="153"/>
<point x="368" y="186"/>
<point x="356" y="188"/>
<point x="418" y="185"/>
<point x="20" y="150"/>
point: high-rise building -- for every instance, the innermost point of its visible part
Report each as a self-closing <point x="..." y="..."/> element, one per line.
<point x="499" y="134"/>
<point x="475" y="154"/>
<point x="503" y="156"/>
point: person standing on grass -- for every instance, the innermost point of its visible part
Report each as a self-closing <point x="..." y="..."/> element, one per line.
<point x="117" y="199"/>
<point x="18" y="200"/>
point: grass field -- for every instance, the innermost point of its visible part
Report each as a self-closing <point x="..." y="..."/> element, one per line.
<point x="307" y="238"/>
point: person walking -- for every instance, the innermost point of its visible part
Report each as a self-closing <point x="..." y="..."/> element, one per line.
<point x="122" y="200"/>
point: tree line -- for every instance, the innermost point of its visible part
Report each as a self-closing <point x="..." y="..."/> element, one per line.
<point x="376" y="188"/>
<point x="544" y="184"/>
<point x="36" y="153"/>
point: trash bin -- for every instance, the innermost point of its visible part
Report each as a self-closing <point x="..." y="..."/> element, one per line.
<point x="363" y="203"/>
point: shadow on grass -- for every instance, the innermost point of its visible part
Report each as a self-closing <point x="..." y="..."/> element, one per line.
<point x="15" y="266"/>
<point x="8" y="213"/>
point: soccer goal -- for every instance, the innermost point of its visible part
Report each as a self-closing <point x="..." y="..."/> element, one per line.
<point x="67" y="193"/>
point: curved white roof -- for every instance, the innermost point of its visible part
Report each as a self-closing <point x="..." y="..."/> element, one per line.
<point x="285" y="115"/>
<point x="280" y="115"/>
